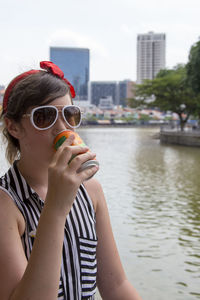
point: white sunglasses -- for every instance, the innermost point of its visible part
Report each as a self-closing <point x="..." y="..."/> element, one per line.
<point x="44" y="117"/>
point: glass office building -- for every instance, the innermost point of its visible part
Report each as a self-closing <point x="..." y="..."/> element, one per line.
<point x="74" y="62"/>
<point x="119" y="91"/>
<point x="103" y="89"/>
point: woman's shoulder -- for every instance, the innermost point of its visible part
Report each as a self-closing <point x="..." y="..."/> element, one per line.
<point x="6" y="191"/>
<point x="94" y="190"/>
<point x="9" y="213"/>
<point x="6" y="200"/>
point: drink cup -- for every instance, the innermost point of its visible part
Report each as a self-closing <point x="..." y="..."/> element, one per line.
<point x="65" y="134"/>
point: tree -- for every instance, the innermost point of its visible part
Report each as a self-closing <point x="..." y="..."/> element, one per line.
<point x="170" y="92"/>
<point x="193" y="68"/>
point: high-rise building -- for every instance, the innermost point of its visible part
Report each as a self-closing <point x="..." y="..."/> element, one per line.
<point x="150" y="55"/>
<point x="102" y="89"/>
<point x="74" y="62"/>
<point x="119" y="91"/>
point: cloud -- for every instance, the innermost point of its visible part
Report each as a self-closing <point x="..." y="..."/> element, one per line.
<point x="68" y="38"/>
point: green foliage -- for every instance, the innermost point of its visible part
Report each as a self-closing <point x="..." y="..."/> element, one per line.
<point x="132" y="102"/>
<point x="193" y="68"/>
<point x="130" y="118"/>
<point x="144" y="117"/>
<point x="169" y="91"/>
<point x="91" y="118"/>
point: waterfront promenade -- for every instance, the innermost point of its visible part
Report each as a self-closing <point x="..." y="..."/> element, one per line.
<point x="188" y="137"/>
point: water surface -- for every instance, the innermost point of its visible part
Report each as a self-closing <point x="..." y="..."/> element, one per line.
<point x="153" y="194"/>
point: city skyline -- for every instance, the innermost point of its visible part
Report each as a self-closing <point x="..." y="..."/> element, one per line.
<point x="108" y="29"/>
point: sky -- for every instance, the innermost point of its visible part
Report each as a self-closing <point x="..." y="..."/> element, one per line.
<point x="108" y="28"/>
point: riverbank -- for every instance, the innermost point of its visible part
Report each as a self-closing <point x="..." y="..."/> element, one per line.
<point x="183" y="138"/>
<point x="120" y="125"/>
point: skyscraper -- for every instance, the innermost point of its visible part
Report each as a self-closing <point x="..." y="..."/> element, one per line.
<point x="119" y="91"/>
<point x="74" y="62"/>
<point x="150" y="55"/>
<point x="103" y="89"/>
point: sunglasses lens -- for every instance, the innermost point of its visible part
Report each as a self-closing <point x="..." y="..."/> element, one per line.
<point x="72" y="115"/>
<point x="43" y="117"/>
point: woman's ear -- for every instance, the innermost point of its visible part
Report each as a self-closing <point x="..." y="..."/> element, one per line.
<point x="13" y="128"/>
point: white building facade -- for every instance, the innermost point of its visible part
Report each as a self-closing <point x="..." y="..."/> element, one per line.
<point x="151" y="55"/>
<point x="106" y="103"/>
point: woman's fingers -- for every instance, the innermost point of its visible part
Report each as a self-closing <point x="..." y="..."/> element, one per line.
<point x="66" y="151"/>
<point x="77" y="161"/>
<point x="69" y="152"/>
<point x="88" y="173"/>
<point x="80" y="164"/>
<point x="67" y="142"/>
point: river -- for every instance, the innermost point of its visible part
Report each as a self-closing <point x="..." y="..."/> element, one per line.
<point x="153" y="196"/>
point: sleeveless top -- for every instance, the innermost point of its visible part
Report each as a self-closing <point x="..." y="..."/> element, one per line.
<point x="79" y="264"/>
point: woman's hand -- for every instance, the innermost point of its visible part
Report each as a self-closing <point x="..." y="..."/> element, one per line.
<point x="64" y="178"/>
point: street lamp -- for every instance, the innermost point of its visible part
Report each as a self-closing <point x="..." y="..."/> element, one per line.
<point x="182" y="107"/>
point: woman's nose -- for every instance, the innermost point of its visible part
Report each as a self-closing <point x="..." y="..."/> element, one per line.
<point x="60" y="125"/>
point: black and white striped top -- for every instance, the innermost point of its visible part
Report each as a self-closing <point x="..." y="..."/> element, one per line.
<point x="79" y="264"/>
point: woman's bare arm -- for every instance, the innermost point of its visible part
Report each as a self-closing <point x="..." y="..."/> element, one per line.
<point x="111" y="278"/>
<point x="12" y="258"/>
<point x="39" y="279"/>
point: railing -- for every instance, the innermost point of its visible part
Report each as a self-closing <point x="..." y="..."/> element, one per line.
<point x="177" y="128"/>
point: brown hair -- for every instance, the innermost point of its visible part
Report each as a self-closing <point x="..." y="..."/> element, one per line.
<point x="30" y="91"/>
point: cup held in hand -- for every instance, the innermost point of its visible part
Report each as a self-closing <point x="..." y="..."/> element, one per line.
<point x="62" y="136"/>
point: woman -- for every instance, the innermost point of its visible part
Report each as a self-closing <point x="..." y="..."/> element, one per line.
<point x="55" y="235"/>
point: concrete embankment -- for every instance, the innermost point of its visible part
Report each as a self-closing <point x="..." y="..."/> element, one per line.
<point x="185" y="138"/>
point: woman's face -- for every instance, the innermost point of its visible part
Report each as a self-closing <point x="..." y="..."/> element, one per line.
<point x="38" y="144"/>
